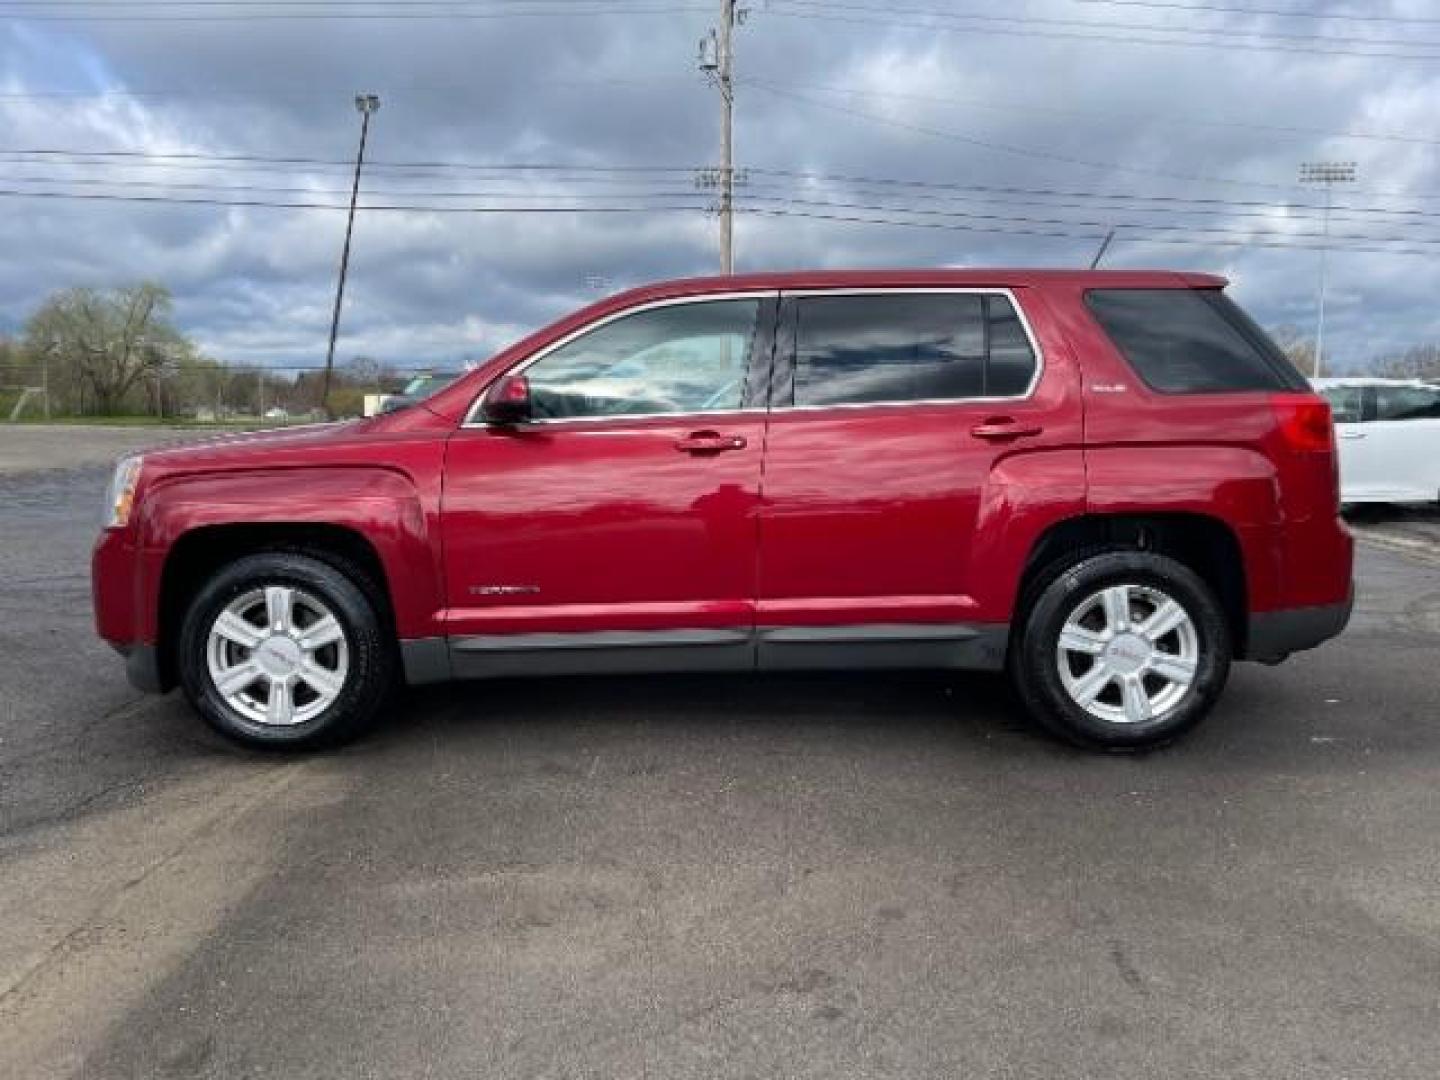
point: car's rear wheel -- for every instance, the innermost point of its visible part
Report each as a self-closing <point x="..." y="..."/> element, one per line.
<point x="1122" y="650"/>
<point x="281" y="649"/>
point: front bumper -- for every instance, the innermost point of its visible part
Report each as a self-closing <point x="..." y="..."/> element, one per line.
<point x="116" y="590"/>
<point x="1274" y="635"/>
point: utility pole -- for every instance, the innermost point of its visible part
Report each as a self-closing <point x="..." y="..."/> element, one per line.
<point x="716" y="56"/>
<point x="366" y="105"/>
<point x="1327" y="174"/>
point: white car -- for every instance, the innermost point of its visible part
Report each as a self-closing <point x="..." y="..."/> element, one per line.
<point x="1389" y="434"/>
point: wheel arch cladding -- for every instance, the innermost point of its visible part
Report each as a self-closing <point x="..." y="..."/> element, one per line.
<point x="371" y="520"/>
<point x="1207" y="545"/>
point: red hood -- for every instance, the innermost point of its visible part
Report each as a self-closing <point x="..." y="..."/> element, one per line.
<point x="336" y="442"/>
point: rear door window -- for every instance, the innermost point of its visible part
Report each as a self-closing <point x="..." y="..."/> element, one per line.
<point x="1191" y="341"/>
<point x="898" y="347"/>
<point x="1407" y="403"/>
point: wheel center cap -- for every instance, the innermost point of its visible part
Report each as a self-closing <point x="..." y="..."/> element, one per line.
<point x="1128" y="653"/>
<point x="279" y="657"/>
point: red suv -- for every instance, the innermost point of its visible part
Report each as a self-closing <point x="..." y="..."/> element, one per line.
<point x="1107" y="484"/>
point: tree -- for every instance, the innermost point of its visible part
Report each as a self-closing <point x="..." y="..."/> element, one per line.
<point x="1416" y="362"/>
<point x="109" y="340"/>
<point x="1297" y="346"/>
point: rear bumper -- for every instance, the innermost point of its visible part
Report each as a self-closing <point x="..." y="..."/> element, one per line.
<point x="1274" y="635"/>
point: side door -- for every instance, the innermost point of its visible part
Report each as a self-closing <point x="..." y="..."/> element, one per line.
<point x="623" y="515"/>
<point x="1352" y="406"/>
<point x="1403" y="442"/>
<point x="893" y="412"/>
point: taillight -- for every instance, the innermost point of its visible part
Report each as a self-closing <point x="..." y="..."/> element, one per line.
<point x="1304" y="422"/>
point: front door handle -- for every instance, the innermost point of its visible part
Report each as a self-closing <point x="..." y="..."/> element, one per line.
<point x="1004" y="427"/>
<point x="1352" y="435"/>
<point x="709" y="442"/>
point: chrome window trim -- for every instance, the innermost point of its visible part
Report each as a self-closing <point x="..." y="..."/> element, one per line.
<point x="881" y="290"/>
<point x="670" y="301"/>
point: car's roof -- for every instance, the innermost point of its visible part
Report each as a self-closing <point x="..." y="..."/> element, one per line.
<point x="932" y="277"/>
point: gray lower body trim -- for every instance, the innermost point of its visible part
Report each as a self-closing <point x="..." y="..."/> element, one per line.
<point x="787" y="648"/>
<point x="602" y="652"/>
<point x="599" y="639"/>
<point x="958" y="646"/>
<point x="426" y="660"/>
<point x="1274" y="635"/>
<point x="142" y="668"/>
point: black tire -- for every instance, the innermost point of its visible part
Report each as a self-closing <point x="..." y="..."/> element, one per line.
<point x="1035" y="668"/>
<point x="348" y="595"/>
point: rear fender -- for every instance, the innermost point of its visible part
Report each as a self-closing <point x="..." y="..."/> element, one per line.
<point x="1234" y="485"/>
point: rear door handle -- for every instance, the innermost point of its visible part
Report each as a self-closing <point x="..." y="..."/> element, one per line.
<point x="709" y="442"/>
<point x="1352" y="435"/>
<point x="1004" y="427"/>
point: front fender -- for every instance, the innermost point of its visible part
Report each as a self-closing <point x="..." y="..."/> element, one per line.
<point x="379" y="504"/>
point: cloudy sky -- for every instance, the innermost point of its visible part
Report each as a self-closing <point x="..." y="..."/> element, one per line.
<point x="872" y="133"/>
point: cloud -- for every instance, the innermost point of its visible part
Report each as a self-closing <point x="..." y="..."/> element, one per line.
<point x="858" y="93"/>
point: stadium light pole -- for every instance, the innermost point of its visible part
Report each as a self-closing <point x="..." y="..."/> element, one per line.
<point x="367" y="105"/>
<point x="1327" y="174"/>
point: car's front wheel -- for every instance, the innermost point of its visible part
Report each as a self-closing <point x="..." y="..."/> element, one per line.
<point x="1122" y="650"/>
<point x="281" y="649"/>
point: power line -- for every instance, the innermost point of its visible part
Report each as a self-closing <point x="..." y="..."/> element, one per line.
<point x="205" y="95"/>
<point x="1031" y="20"/>
<point x="1128" y="117"/>
<point x="1128" y="227"/>
<point x="343" y="4"/>
<point x="936" y="219"/>
<point x="1172" y="206"/>
<point x="158" y="155"/>
<point x="573" y="173"/>
<point x="1058" y="233"/>
<point x="873" y="188"/>
<point x="1286" y="13"/>
<point x="296" y="205"/>
<point x="1027" y="28"/>
<point x="180" y="185"/>
<point x="1045" y="155"/>
<point x="1040" y="197"/>
<point x="343" y="16"/>
<point x="261" y="163"/>
<point x="1020" y="151"/>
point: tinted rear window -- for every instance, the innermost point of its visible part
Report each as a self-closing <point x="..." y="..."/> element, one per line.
<point x="1191" y="341"/>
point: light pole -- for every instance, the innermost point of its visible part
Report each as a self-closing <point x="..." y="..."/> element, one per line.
<point x="1327" y="174"/>
<point x="366" y="105"/>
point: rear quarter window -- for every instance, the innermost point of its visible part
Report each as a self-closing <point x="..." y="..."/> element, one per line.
<point x="1191" y="341"/>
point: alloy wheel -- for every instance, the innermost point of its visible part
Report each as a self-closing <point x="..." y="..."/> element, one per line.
<point x="277" y="655"/>
<point x="1128" y="654"/>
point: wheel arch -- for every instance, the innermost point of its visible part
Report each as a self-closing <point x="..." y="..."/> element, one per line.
<point x="201" y="551"/>
<point x="1207" y="545"/>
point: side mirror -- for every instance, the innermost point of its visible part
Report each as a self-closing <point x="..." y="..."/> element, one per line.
<point x="507" y="402"/>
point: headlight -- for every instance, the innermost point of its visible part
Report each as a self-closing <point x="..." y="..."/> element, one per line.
<point x="120" y="497"/>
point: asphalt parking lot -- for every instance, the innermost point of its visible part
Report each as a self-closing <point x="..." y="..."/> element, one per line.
<point x="888" y="875"/>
